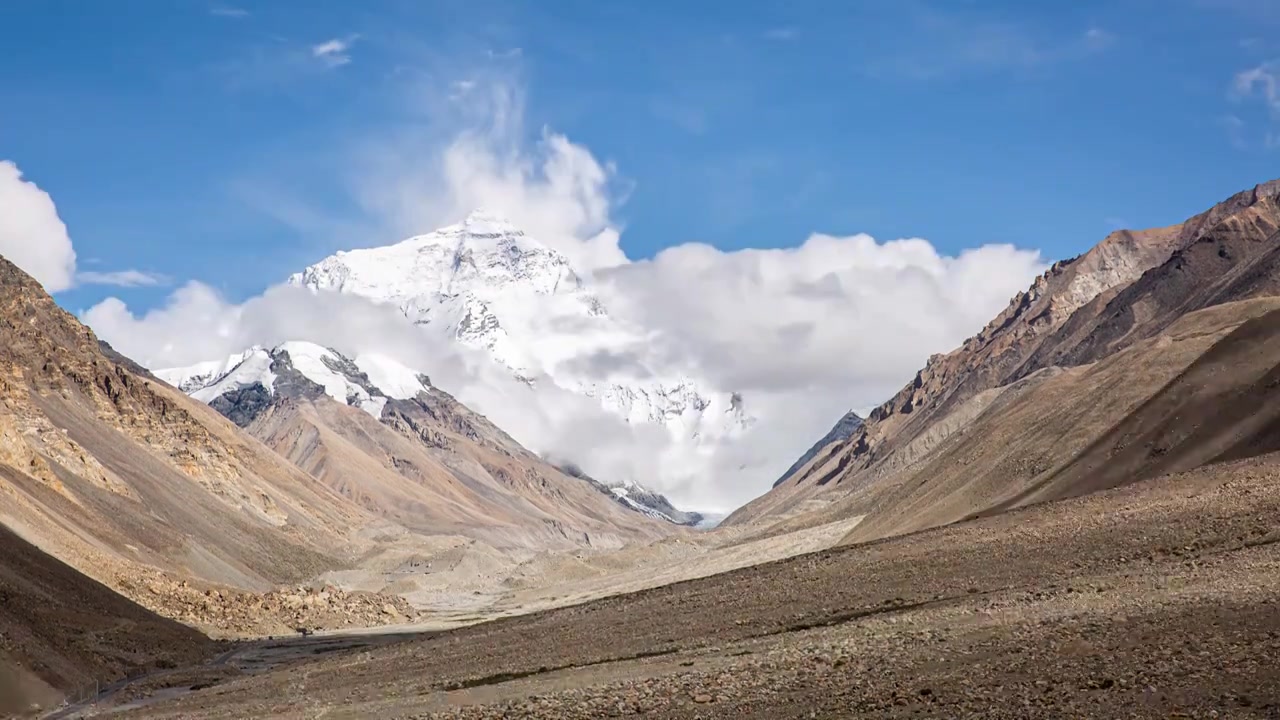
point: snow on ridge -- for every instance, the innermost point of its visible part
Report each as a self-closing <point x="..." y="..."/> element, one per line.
<point x="255" y="367"/>
<point x="201" y="374"/>
<point x="389" y="376"/>
<point x="209" y="381"/>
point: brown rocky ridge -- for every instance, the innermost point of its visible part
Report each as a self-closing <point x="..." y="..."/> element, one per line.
<point x="1130" y="287"/>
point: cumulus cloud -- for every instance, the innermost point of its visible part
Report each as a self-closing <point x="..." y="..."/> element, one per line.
<point x="802" y="333"/>
<point x="468" y="148"/>
<point x="837" y="310"/>
<point x="34" y="238"/>
<point x="32" y="235"/>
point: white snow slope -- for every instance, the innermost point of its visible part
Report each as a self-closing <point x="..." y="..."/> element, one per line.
<point x="211" y="380"/>
<point x="487" y="285"/>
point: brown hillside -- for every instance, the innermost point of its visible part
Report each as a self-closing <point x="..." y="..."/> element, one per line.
<point x="59" y="631"/>
<point x="1132" y="286"/>
<point x="123" y="477"/>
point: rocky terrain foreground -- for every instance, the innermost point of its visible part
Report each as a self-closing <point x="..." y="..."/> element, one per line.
<point x="1159" y="599"/>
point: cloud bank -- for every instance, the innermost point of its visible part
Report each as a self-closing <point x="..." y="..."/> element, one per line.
<point x="803" y="333"/>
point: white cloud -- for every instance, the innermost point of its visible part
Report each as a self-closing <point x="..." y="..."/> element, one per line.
<point x="34" y="238"/>
<point x="228" y="11"/>
<point x="782" y="33"/>
<point x="834" y="311"/>
<point x="335" y="52"/>
<point x="32" y="235"/>
<point x="469" y="149"/>
<point x="122" y="278"/>
<point x="1262" y="82"/>
<point x="197" y="323"/>
<point x="804" y="333"/>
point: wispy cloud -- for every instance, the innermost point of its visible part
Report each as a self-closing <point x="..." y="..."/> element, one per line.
<point x="335" y="52"/>
<point x="228" y="11"/>
<point x="279" y="63"/>
<point x="1095" y="39"/>
<point x="1257" y="85"/>
<point x="782" y="33"/>
<point x="1261" y="82"/>
<point x="935" y="43"/>
<point x="122" y="278"/>
<point x="460" y="89"/>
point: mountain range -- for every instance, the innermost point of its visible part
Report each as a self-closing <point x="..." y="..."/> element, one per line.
<point x="110" y="469"/>
<point x="484" y="286"/>
<point x="262" y="390"/>
<point x="293" y="486"/>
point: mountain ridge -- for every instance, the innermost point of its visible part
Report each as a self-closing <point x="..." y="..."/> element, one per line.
<point x="1131" y="286"/>
<point x="248" y="385"/>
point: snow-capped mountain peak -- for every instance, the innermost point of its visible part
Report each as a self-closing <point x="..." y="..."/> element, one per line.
<point x="483" y="254"/>
<point x="251" y="378"/>
<point x="488" y="285"/>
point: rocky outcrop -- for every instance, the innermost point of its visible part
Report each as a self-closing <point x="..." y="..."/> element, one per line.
<point x="229" y="612"/>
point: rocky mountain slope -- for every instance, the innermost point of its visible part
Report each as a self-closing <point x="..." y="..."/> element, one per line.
<point x="107" y="469"/>
<point x="487" y="285"/>
<point x="847" y="425"/>
<point x="422" y="458"/>
<point x="60" y="631"/>
<point x="1135" y="287"/>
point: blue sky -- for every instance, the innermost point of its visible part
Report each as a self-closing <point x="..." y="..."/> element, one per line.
<point x="180" y="137"/>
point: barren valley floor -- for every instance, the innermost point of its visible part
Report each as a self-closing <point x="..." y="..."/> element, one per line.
<point x="1160" y="599"/>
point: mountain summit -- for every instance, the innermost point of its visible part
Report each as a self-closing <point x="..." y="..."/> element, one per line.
<point x="488" y="285"/>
